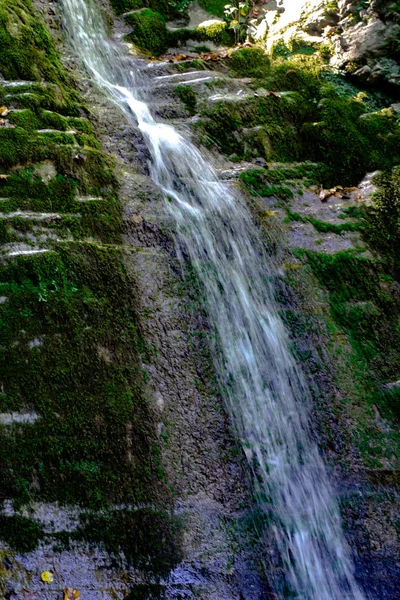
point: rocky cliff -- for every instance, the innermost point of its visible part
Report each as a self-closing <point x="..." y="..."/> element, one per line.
<point x="120" y="471"/>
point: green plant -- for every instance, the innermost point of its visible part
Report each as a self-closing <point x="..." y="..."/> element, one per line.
<point x="237" y="14"/>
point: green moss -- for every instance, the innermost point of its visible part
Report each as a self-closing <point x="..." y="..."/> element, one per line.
<point x="304" y="119"/>
<point x="250" y="62"/>
<point x="149" y="31"/>
<point x="78" y="301"/>
<point x="188" y="97"/>
<point x="381" y="222"/>
<point x="323" y="226"/>
<point x="27" y="51"/>
<point x="362" y="328"/>
<point x="149" y="539"/>
<point x="168" y="8"/>
<point x="215" y="32"/>
<point x="71" y="341"/>
<point x="22" y="534"/>
<point x="372" y="142"/>
<point x="258" y="183"/>
<point x="214" y="7"/>
<point x="26" y="119"/>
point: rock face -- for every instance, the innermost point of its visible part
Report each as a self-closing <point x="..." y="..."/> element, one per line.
<point x="364" y="37"/>
<point x="120" y="471"/>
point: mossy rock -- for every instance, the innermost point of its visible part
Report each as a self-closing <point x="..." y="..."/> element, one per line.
<point x="149" y="31"/>
<point x="214" y="7"/>
<point x="164" y="7"/>
<point x="211" y="31"/>
<point x="250" y="62"/>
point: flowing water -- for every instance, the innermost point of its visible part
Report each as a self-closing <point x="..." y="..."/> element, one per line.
<point x="265" y="392"/>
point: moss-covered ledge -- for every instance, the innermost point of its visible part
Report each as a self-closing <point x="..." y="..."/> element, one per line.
<point x="75" y="427"/>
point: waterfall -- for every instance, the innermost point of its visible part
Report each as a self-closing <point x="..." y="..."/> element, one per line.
<point x="265" y="392"/>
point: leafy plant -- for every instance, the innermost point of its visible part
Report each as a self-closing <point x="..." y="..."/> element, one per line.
<point x="238" y="16"/>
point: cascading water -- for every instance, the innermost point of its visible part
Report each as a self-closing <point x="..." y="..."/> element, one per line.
<point x="266" y="395"/>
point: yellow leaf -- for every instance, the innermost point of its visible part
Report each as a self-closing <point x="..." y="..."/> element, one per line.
<point x="47" y="576"/>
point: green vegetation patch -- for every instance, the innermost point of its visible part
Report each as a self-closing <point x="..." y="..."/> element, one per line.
<point x="249" y="62"/>
<point x="20" y="533"/>
<point x="216" y="32"/>
<point x="188" y="96"/>
<point x="82" y="376"/>
<point x="149" y="539"/>
<point x="302" y="118"/>
<point x="364" y="304"/>
<point x="71" y="344"/>
<point x="149" y="31"/>
<point x="382" y="220"/>
<point x="214" y="7"/>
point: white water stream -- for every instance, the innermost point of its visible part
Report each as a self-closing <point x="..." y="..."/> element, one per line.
<point x="265" y="392"/>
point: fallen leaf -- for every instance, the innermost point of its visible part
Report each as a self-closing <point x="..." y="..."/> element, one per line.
<point x="325" y="194"/>
<point x="3" y="176"/>
<point x="47" y="576"/>
<point x="71" y="593"/>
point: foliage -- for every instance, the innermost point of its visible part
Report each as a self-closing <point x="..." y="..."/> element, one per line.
<point x="237" y="13"/>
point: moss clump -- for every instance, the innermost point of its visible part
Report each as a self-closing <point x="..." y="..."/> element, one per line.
<point x="22" y="534"/>
<point x="259" y="184"/>
<point x="27" y="51"/>
<point x="168" y="8"/>
<point x="372" y="141"/>
<point x="382" y="220"/>
<point x="214" y="7"/>
<point x="149" y="31"/>
<point x="84" y="379"/>
<point x="277" y="133"/>
<point x="149" y="539"/>
<point x="250" y="62"/>
<point x="188" y="97"/>
<point x="323" y="226"/>
<point x="301" y="118"/>
<point x="214" y="31"/>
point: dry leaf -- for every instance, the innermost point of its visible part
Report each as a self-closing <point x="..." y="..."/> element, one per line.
<point x="71" y="593"/>
<point x="325" y="194"/>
